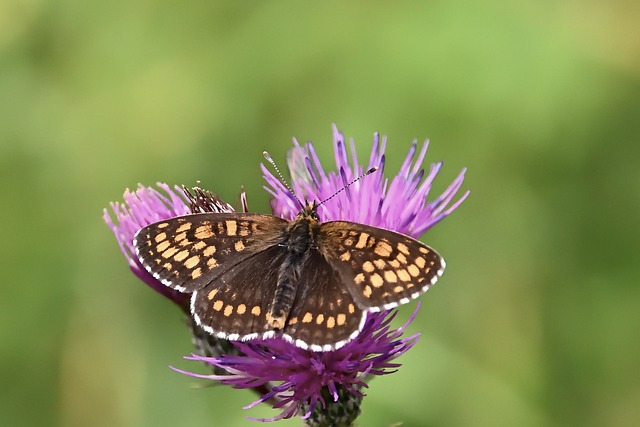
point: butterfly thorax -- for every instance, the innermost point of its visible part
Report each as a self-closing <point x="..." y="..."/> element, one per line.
<point x="299" y="239"/>
<point x="302" y="232"/>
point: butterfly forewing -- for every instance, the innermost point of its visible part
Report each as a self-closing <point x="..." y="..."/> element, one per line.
<point x="324" y="314"/>
<point x="381" y="268"/>
<point x="188" y="252"/>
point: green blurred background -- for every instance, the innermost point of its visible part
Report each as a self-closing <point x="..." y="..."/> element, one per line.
<point x="536" y="321"/>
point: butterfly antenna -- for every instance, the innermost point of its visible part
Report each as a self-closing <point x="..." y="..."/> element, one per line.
<point x="370" y="171"/>
<point x="282" y="180"/>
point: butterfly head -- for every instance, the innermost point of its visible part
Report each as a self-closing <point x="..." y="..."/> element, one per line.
<point x="309" y="212"/>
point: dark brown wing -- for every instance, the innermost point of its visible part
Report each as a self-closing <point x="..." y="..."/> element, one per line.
<point x="235" y="305"/>
<point x="186" y="253"/>
<point x="324" y="315"/>
<point x="381" y="268"/>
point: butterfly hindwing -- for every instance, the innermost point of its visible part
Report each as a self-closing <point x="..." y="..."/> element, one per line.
<point x="381" y="268"/>
<point x="324" y="315"/>
<point x="186" y="253"/>
<point x="235" y="305"/>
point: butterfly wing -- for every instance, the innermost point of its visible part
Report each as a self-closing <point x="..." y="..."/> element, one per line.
<point x="235" y="305"/>
<point x="186" y="253"/>
<point x="381" y="268"/>
<point x="324" y="314"/>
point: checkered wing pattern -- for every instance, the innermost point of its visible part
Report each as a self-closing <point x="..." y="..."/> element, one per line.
<point x="381" y="268"/>
<point x="189" y="252"/>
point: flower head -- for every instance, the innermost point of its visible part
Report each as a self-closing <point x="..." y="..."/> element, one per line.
<point x="307" y="382"/>
<point x="400" y="204"/>
<point x="299" y="379"/>
<point x="324" y="387"/>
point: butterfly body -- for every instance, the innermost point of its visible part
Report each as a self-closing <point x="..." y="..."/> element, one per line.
<point x="309" y="282"/>
<point x="299" y="241"/>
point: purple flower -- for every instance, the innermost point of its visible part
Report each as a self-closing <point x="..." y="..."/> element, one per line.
<point x="324" y="387"/>
<point x="400" y="205"/>
<point x="298" y="379"/>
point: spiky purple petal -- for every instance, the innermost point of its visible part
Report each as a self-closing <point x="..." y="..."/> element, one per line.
<point x="142" y="207"/>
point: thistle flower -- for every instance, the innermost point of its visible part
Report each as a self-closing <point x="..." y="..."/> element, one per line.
<point x="147" y="205"/>
<point x="324" y="387"/>
<point x="400" y="205"/>
<point x="299" y="379"/>
<point x="142" y="207"/>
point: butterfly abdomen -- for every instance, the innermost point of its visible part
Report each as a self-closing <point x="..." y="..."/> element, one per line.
<point x="298" y="246"/>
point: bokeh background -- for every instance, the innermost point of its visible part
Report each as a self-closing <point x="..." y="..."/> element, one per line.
<point x="536" y="322"/>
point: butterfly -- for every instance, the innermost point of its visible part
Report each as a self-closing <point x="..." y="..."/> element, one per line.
<point x="256" y="276"/>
